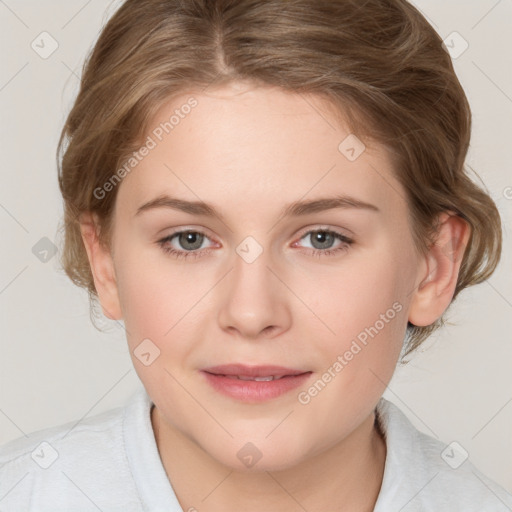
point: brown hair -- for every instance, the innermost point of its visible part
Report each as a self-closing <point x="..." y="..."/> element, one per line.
<point x="379" y="63"/>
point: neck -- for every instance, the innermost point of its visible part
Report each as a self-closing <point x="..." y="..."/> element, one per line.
<point x="347" y="476"/>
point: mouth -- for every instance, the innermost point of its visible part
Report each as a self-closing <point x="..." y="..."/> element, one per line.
<point x="254" y="383"/>
<point x="257" y="379"/>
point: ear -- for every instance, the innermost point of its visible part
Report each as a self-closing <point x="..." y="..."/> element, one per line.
<point x="440" y="271"/>
<point x="102" y="267"/>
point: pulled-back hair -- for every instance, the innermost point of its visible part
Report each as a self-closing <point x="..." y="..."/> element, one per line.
<point x="379" y="63"/>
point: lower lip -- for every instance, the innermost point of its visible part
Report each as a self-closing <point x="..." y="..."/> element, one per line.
<point x="255" y="391"/>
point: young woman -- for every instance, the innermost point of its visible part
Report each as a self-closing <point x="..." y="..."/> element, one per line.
<point x="272" y="196"/>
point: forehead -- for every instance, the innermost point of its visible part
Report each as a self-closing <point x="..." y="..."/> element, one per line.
<point x="241" y="144"/>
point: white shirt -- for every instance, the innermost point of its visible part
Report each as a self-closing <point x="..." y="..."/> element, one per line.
<point x="110" y="462"/>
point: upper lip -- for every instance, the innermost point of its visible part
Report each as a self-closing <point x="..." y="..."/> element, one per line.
<point x="252" y="371"/>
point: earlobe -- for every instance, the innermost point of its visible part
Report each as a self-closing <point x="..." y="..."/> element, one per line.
<point x="438" y="277"/>
<point x="102" y="267"/>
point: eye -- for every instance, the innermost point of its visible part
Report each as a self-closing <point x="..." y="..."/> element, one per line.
<point x="190" y="240"/>
<point x="322" y="240"/>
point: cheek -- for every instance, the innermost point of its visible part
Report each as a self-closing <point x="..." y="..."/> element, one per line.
<point x="164" y="301"/>
<point x="159" y="317"/>
<point x="153" y="296"/>
<point x="363" y="295"/>
<point x="365" y="310"/>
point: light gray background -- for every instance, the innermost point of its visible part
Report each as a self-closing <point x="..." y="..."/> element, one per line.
<point x="55" y="367"/>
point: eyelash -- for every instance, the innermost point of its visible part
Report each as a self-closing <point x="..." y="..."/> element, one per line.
<point x="347" y="242"/>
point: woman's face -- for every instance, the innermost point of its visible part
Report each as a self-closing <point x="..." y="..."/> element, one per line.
<point x="250" y="285"/>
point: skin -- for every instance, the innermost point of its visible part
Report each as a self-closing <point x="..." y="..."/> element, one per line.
<point x="250" y="151"/>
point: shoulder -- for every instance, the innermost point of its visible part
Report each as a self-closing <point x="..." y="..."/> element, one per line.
<point x="423" y="473"/>
<point x="61" y="464"/>
<point x="97" y="428"/>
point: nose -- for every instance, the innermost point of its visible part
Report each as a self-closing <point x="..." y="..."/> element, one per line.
<point x="254" y="300"/>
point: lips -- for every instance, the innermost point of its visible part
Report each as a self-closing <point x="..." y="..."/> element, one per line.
<point x="254" y="384"/>
<point x="256" y="373"/>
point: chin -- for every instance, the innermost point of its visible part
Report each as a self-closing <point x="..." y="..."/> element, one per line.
<point x="248" y="457"/>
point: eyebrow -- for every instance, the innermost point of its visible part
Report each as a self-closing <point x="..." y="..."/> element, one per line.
<point x="295" y="209"/>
